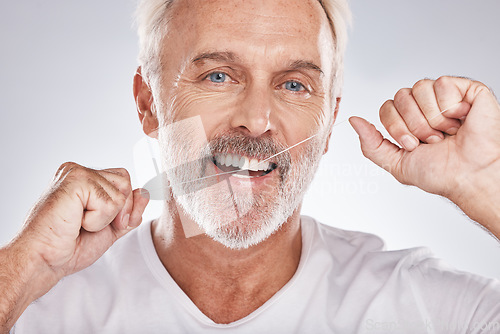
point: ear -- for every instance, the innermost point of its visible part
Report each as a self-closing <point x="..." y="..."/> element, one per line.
<point x="145" y="104"/>
<point x="336" y="111"/>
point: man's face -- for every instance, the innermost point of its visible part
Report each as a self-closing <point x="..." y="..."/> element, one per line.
<point x="258" y="75"/>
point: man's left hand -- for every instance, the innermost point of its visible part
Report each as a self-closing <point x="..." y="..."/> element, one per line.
<point x="455" y="153"/>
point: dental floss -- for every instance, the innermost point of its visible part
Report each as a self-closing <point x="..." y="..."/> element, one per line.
<point x="453" y="106"/>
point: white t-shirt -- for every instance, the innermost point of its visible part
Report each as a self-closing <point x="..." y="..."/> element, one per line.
<point x="345" y="283"/>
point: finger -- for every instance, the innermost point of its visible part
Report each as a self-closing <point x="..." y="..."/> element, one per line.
<point x="451" y="91"/>
<point x="134" y="218"/>
<point x="426" y="99"/>
<point x="112" y="195"/>
<point x="119" y="177"/>
<point x="458" y="111"/>
<point x="406" y="106"/>
<point x="396" y="126"/>
<point x="104" y="202"/>
<point x="98" y="242"/>
<point x="141" y="200"/>
<point x="98" y="200"/>
<point x="375" y="147"/>
<point x="121" y="220"/>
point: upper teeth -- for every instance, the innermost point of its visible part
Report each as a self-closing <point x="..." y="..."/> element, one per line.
<point x="242" y="162"/>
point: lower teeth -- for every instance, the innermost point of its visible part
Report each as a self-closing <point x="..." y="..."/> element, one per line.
<point x="242" y="176"/>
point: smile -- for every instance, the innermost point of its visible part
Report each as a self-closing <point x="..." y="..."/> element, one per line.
<point x="236" y="163"/>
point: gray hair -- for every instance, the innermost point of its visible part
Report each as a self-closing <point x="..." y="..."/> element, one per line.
<point x="152" y="17"/>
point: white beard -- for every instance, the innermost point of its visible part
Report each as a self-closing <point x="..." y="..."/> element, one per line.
<point x="237" y="218"/>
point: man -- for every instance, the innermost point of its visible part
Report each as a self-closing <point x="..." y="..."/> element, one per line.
<point x="258" y="77"/>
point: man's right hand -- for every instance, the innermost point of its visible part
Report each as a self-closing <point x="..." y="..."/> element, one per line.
<point x="81" y="215"/>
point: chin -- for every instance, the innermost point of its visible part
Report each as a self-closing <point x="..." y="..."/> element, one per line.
<point x="244" y="231"/>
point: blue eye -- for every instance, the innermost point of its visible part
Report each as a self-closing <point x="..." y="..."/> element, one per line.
<point x="294" y="86"/>
<point x="217" y="77"/>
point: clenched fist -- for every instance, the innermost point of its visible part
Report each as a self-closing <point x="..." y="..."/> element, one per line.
<point x="80" y="216"/>
<point x="448" y="131"/>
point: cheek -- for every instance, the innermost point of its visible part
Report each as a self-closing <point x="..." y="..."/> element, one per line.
<point x="214" y="108"/>
<point x="301" y="119"/>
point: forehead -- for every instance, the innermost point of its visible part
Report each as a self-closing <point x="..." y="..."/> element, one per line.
<point x="255" y="28"/>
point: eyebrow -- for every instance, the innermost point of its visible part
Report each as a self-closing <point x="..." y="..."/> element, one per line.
<point x="227" y="56"/>
<point x="307" y="65"/>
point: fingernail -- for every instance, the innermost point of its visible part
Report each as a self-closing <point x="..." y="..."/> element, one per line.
<point x="409" y="143"/>
<point x="452" y="131"/>
<point x="125" y="220"/>
<point x="433" y="139"/>
<point x="145" y="193"/>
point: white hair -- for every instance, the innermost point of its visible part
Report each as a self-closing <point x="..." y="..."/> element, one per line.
<point x="152" y="17"/>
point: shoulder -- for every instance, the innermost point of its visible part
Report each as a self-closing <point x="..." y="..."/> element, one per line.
<point x="396" y="286"/>
<point x="365" y="253"/>
<point x="341" y="245"/>
<point x="327" y="233"/>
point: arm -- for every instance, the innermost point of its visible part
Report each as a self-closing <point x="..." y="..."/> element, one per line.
<point x="19" y="275"/>
<point x="82" y="214"/>
<point x="455" y="153"/>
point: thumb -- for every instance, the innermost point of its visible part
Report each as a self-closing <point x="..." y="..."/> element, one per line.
<point x="375" y="147"/>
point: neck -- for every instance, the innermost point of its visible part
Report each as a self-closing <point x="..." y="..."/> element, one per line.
<point x="226" y="284"/>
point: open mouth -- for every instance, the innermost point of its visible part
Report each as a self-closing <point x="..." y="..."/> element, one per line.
<point x="243" y="166"/>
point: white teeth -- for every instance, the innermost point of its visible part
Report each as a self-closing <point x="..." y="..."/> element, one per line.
<point x="263" y="165"/>
<point x="242" y="162"/>
<point x="220" y="159"/>
<point x="242" y="176"/>
<point x="254" y="165"/>
<point x="229" y="160"/>
<point x="236" y="161"/>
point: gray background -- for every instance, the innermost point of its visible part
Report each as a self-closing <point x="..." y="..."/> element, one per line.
<point x="66" y="95"/>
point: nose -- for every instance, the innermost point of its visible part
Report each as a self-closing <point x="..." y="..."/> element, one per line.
<point x="254" y="114"/>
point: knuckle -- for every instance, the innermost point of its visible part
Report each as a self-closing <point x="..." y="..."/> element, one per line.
<point x="69" y="169"/>
<point x="77" y="172"/>
<point x="65" y="167"/>
<point x="120" y="200"/>
<point x="125" y="173"/>
<point x="482" y="88"/>
<point x="417" y="126"/>
<point x="125" y="178"/>
<point x="443" y="82"/>
<point x="121" y="179"/>
<point x="394" y="129"/>
<point x="438" y="123"/>
<point x="402" y="94"/>
<point x="120" y="172"/>
<point x="421" y="85"/>
<point x="385" y="108"/>
<point x="403" y="100"/>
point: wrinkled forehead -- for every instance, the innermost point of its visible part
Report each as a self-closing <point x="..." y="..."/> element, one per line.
<point x="286" y="16"/>
<point x="266" y="25"/>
